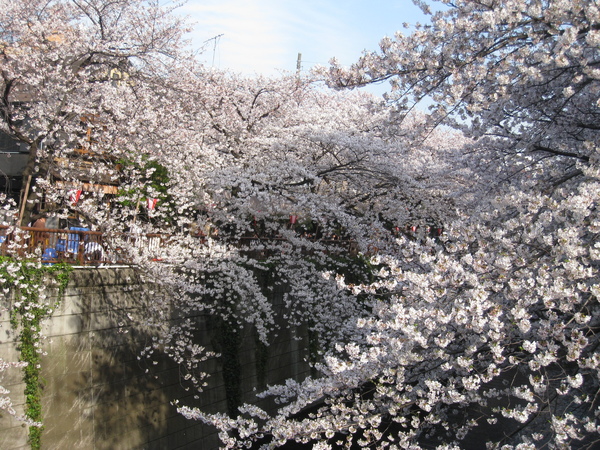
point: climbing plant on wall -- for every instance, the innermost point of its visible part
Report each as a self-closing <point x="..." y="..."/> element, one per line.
<point x="26" y="282"/>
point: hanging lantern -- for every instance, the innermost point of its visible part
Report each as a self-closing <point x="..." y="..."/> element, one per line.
<point x="75" y="196"/>
<point x="151" y="203"/>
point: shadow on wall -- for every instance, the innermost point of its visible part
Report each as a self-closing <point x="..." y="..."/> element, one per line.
<point x="99" y="393"/>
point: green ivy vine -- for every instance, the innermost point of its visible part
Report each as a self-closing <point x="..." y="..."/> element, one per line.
<point x="27" y="280"/>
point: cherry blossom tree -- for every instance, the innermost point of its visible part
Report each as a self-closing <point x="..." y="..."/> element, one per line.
<point x="424" y="340"/>
<point x="74" y="76"/>
<point x="493" y="327"/>
<point x="523" y="74"/>
<point x="89" y="81"/>
<point x="271" y="149"/>
<point x="71" y="71"/>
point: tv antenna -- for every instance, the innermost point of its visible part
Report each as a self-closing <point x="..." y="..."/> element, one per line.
<point x="216" y="41"/>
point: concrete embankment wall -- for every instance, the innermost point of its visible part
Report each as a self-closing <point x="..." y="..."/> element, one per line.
<point x="97" y="392"/>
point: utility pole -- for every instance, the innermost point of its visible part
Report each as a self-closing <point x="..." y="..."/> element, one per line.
<point x="299" y="64"/>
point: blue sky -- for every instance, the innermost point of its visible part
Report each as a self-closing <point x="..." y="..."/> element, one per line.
<point x="265" y="36"/>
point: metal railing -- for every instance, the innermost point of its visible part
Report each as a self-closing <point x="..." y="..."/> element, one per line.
<point x="78" y="246"/>
<point x="81" y="246"/>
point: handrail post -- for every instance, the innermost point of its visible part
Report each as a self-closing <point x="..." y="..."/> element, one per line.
<point x="81" y="249"/>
